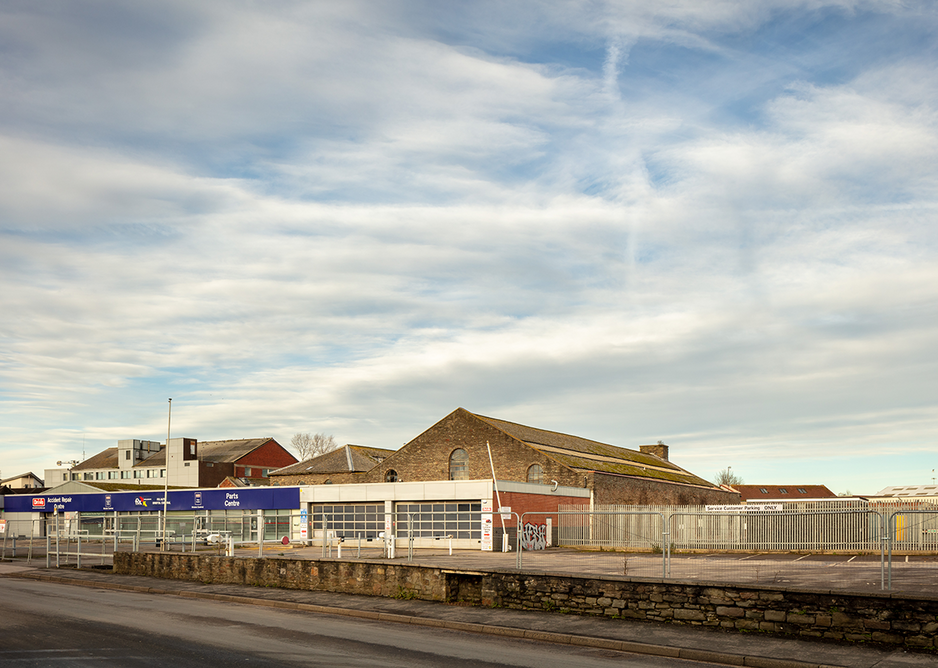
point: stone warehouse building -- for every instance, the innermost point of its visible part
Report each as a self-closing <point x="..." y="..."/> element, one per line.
<point x="457" y="448"/>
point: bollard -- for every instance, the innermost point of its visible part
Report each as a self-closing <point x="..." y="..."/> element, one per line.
<point x="450" y="546"/>
<point x="339" y="548"/>
<point x="324" y="535"/>
<point x="359" y="546"/>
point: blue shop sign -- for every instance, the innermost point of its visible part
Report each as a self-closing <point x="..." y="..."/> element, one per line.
<point x="240" y="498"/>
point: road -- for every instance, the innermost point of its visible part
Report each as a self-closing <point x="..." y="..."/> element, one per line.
<point x="43" y="624"/>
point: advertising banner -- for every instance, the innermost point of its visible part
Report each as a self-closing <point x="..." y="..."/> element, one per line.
<point x="487" y="526"/>
<point x="240" y="498"/>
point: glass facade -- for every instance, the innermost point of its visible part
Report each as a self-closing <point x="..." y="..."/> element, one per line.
<point x="364" y="520"/>
<point x="459" y="519"/>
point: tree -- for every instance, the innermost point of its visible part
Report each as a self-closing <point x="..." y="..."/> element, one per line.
<point x="308" y="446"/>
<point x="727" y="477"/>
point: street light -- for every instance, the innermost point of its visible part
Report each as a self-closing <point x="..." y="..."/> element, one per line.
<point x="169" y="421"/>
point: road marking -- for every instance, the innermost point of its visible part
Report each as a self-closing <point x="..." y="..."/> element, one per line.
<point x="804" y="557"/>
<point x="851" y="558"/>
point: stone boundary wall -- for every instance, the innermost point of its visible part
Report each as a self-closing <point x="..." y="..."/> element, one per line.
<point x="347" y="577"/>
<point x="882" y="618"/>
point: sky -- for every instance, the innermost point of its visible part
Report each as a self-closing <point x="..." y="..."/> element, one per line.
<point x="707" y="223"/>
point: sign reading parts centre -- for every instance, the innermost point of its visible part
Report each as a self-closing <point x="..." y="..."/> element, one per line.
<point x="260" y="498"/>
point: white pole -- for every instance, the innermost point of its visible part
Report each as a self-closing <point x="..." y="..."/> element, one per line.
<point x="169" y="421"/>
<point x="497" y="498"/>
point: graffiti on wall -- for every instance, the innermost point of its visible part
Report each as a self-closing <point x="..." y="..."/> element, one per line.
<point x="534" y="536"/>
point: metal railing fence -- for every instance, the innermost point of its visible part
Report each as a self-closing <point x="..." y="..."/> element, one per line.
<point x="833" y="546"/>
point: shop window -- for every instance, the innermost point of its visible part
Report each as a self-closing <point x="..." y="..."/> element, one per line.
<point x="459" y="465"/>
<point x="536" y="474"/>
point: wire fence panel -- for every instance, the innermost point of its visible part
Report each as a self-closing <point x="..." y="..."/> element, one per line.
<point x="857" y="546"/>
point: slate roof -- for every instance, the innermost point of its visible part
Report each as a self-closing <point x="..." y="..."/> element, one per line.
<point x="346" y="459"/>
<point x="106" y="459"/>
<point x="582" y="454"/>
<point x="208" y="451"/>
<point x="782" y="492"/>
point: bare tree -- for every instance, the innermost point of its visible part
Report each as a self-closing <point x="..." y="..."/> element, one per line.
<point x="727" y="477"/>
<point x="308" y="446"/>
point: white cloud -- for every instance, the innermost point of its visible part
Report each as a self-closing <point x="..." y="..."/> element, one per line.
<point x="353" y="221"/>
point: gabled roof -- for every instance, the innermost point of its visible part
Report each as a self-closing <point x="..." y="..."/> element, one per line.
<point x="584" y="455"/>
<point x="231" y="481"/>
<point x="347" y="459"/>
<point x="28" y="474"/>
<point x="904" y="491"/>
<point x="220" y="452"/>
<point x="209" y="451"/>
<point x="782" y="492"/>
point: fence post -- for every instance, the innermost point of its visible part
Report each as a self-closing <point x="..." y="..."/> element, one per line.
<point x="887" y="536"/>
<point x="57" y="551"/>
<point x="78" y="549"/>
<point x="666" y="547"/>
<point x="410" y="537"/>
<point x="32" y="536"/>
<point x="48" y="550"/>
<point x="260" y="533"/>
<point x="518" y="548"/>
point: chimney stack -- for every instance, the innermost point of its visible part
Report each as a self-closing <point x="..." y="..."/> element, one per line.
<point x="659" y="450"/>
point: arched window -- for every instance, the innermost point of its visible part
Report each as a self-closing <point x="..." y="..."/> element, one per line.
<point x="459" y="465"/>
<point x="536" y="474"/>
<point x="390" y="476"/>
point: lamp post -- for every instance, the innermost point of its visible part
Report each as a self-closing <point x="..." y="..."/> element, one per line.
<point x="169" y="421"/>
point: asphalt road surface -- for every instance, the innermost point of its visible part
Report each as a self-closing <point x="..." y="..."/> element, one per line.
<point x="47" y="624"/>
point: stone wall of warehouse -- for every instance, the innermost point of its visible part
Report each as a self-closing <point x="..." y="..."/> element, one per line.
<point x="427" y="456"/>
<point x="911" y="621"/>
<point x="610" y="488"/>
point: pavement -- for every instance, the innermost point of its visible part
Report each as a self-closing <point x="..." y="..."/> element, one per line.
<point x="666" y="640"/>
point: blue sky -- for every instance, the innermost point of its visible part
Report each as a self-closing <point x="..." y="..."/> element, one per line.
<point x="710" y="223"/>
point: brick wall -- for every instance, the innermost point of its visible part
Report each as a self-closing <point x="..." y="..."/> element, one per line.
<point x="271" y="455"/>
<point x="212" y="473"/>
